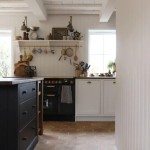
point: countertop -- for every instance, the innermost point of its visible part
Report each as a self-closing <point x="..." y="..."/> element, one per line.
<point x="88" y="77"/>
<point x="19" y="80"/>
<point x="13" y="81"/>
<point x="99" y="77"/>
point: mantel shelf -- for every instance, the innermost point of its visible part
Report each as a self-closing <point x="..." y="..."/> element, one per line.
<point x="49" y="43"/>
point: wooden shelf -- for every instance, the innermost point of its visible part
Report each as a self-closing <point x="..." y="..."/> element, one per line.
<point x="48" y="43"/>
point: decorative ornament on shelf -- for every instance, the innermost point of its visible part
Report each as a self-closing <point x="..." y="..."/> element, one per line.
<point x="70" y="27"/>
<point x="26" y="29"/>
<point x="24" y="26"/>
<point x="33" y="34"/>
<point x="81" y="69"/>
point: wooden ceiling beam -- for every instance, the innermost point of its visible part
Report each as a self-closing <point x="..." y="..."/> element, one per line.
<point x="11" y="4"/>
<point x="72" y="7"/>
<point x="38" y="9"/>
<point x="108" y="8"/>
<point x="64" y="12"/>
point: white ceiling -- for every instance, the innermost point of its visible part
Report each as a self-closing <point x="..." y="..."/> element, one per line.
<point x="42" y="8"/>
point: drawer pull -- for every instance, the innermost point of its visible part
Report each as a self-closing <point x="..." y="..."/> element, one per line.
<point x="46" y="102"/>
<point x="24" y="92"/>
<point x="50" y="95"/>
<point x="34" y="106"/>
<point x="89" y="82"/>
<point x="50" y="86"/>
<point x="33" y="89"/>
<point x="24" y="138"/>
<point x="25" y="112"/>
<point x="33" y="128"/>
<point x="114" y="82"/>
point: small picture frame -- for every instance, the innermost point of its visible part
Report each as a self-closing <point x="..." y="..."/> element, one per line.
<point x="58" y="33"/>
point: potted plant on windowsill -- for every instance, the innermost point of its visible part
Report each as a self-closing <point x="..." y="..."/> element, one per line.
<point x="112" y="66"/>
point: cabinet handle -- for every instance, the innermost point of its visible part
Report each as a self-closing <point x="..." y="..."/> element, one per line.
<point x="114" y="82"/>
<point x="46" y="102"/>
<point x="33" y="89"/>
<point x="24" y="92"/>
<point x="24" y="138"/>
<point x="34" y="106"/>
<point x="25" y="112"/>
<point x="50" y="95"/>
<point x="33" y="128"/>
<point x="50" y="86"/>
<point x="89" y="82"/>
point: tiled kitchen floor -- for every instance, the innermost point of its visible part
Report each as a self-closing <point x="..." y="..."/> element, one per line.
<point x="77" y="136"/>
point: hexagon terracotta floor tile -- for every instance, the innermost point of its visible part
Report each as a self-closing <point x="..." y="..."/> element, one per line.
<point x="77" y="136"/>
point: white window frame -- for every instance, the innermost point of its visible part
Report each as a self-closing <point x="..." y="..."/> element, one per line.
<point x="96" y="31"/>
<point x="12" y="49"/>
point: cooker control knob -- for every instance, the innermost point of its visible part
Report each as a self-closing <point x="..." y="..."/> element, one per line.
<point x="71" y="82"/>
<point x="59" y="81"/>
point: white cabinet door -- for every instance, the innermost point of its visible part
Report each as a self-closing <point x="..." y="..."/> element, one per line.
<point x="109" y="97"/>
<point x="87" y="97"/>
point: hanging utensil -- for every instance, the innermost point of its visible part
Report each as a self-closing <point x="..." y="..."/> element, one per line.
<point x="45" y="51"/>
<point x="29" y="56"/>
<point x="75" y="55"/>
<point x="69" y="53"/>
<point x="63" y="52"/>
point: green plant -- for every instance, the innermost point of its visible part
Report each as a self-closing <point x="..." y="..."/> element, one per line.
<point x="112" y="66"/>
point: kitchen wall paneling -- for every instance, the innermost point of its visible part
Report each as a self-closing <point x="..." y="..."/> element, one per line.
<point x="133" y="75"/>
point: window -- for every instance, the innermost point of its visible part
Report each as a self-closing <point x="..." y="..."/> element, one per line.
<point x="102" y="49"/>
<point x="5" y="53"/>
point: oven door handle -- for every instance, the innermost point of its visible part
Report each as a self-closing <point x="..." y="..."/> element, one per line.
<point x="50" y="86"/>
<point x="50" y="95"/>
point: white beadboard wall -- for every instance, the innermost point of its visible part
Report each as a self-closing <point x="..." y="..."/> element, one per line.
<point x="47" y="64"/>
<point x="133" y="75"/>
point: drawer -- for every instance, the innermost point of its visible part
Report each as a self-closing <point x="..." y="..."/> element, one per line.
<point x="27" y="111"/>
<point x="27" y="91"/>
<point x="27" y="135"/>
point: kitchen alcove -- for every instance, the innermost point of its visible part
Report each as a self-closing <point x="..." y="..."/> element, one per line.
<point x="50" y="55"/>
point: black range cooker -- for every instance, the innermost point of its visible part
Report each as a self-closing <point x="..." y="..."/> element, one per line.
<point x="59" y="99"/>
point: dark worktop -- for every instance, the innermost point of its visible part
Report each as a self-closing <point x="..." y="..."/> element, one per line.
<point x="12" y="81"/>
<point x="90" y="77"/>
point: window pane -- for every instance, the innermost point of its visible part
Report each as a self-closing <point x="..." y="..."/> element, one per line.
<point x="96" y="44"/>
<point x="109" y="44"/>
<point x="5" y="53"/>
<point x="96" y="62"/>
<point x="102" y="50"/>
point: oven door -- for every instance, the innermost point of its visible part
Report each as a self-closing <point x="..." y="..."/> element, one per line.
<point x="66" y="100"/>
<point x="50" y="101"/>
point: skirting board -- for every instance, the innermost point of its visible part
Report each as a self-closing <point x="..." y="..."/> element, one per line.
<point x="94" y="118"/>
